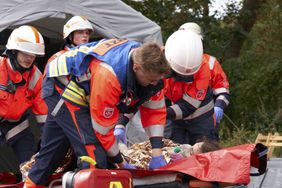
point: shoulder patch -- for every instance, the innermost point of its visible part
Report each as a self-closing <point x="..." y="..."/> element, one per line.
<point x="107" y="45"/>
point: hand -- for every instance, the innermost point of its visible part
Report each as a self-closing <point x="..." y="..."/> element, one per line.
<point x="157" y="162"/>
<point x="129" y="166"/>
<point x="176" y="157"/>
<point x="218" y="113"/>
<point x="120" y="135"/>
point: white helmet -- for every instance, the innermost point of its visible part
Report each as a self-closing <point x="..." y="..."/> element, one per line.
<point x="184" y="52"/>
<point x="191" y="26"/>
<point x="26" y="39"/>
<point x="76" y="23"/>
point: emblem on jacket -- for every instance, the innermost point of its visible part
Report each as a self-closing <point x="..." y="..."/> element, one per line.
<point x="108" y="112"/>
<point x="200" y="94"/>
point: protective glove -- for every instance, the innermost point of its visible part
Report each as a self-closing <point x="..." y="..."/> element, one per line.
<point x="157" y="162"/>
<point x="176" y="157"/>
<point x="218" y="113"/>
<point x="120" y="135"/>
<point x="129" y="166"/>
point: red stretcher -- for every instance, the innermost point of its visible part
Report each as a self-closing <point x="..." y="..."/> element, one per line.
<point x="225" y="167"/>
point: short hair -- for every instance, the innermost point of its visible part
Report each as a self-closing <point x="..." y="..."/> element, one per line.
<point x="209" y="145"/>
<point x="151" y="58"/>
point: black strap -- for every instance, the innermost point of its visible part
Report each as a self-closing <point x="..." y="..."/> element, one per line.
<point x="259" y="156"/>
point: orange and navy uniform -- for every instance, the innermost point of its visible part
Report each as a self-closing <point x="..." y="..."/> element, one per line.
<point x="86" y="89"/>
<point x="107" y="102"/>
<point x="19" y="92"/>
<point x="190" y="99"/>
<point x="192" y="107"/>
<point x="218" y="82"/>
<point x="113" y="90"/>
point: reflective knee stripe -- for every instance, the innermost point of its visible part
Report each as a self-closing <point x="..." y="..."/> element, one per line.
<point x="16" y="130"/>
<point x="57" y="107"/>
<point x="202" y="110"/>
<point x="75" y="94"/>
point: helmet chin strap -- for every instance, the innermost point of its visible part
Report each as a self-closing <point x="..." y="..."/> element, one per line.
<point x="12" y="54"/>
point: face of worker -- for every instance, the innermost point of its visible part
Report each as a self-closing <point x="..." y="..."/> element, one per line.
<point x="81" y="36"/>
<point x="144" y="78"/>
<point x="25" y="59"/>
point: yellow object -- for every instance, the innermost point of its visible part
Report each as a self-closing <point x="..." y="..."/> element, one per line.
<point x="115" y="184"/>
<point x="271" y="141"/>
<point x="88" y="159"/>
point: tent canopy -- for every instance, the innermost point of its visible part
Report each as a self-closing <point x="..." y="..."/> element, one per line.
<point x="110" y="18"/>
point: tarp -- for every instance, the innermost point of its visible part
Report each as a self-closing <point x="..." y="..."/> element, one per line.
<point x="110" y="18"/>
<point x="228" y="165"/>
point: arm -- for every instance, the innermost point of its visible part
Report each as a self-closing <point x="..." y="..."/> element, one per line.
<point x="104" y="95"/>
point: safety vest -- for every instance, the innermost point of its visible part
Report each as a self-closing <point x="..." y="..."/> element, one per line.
<point x="75" y="62"/>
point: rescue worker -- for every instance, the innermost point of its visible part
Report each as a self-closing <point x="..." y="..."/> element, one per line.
<point x="219" y="81"/>
<point x="188" y="89"/>
<point x="20" y="89"/>
<point x="109" y="77"/>
<point x="76" y="31"/>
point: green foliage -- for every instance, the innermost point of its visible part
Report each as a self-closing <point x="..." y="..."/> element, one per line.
<point x="255" y="77"/>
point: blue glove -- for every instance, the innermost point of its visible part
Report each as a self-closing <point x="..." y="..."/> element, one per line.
<point x="157" y="162"/>
<point x="129" y="166"/>
<point x="120" y="135"/>
<point x="218" y="113"/>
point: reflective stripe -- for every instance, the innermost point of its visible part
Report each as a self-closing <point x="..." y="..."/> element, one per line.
<point x="200" y="111"/>
<point x="58" y="67"/>
<point x="99" y="128"/>
<point x="154" y="104"/>
<point x="178" y="111"/>
<point x="34" y="79"/>
<point x="220" y="90"/>
<point x="75" y="94"/>
<point x="57" y="107"/>
<point x="41" y="118"/>
<point x="211" y="62"/>
<point x="194" y="102"/>
<point x="16" y="130"/>
<point x="222" y="97"/>
<point x="155" y="130"/>
<point x="113" y="151"/>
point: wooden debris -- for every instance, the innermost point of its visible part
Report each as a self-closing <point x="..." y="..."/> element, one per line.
<point x="140" y="154"/>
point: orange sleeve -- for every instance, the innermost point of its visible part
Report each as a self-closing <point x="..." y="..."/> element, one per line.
<point x="105" y="91"/>
<point x="153" y="112"/>
<point x="219" y="79"/>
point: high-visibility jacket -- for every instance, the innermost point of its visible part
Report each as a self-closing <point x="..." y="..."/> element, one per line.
<point x="19" y="92"/>
<point x="191" y="100"/>
<point x="218" y="82"/>
<point x="104" y="80"/>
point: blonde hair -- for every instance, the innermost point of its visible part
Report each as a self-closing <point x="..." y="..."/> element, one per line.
<point x="151" y="58"/>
